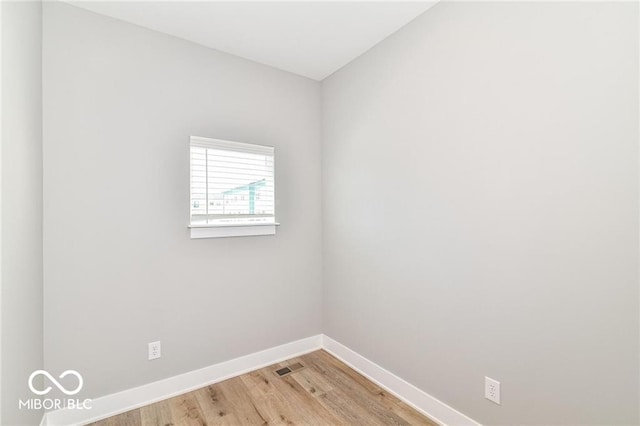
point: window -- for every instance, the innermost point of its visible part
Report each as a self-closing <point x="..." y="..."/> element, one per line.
<point x="232" y="189"/>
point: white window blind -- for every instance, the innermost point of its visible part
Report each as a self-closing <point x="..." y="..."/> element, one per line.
<point x="232" y="183"/>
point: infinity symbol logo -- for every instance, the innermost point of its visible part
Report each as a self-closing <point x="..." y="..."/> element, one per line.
<point x="55" y="382"/>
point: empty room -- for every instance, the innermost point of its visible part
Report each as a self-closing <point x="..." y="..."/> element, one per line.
<point x="319" y="213"/>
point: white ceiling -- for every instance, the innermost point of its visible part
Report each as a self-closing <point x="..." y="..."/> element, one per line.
<point x="312" y="39"/>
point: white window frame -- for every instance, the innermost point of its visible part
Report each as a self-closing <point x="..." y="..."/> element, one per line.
<point x="229" y="230"/>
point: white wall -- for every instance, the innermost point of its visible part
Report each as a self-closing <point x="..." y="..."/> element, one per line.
<point x="21" y="177"/>
<point x="120" y="103"/>
<point x="480" y="197"/>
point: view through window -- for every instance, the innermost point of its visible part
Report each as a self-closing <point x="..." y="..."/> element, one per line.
<point x="232" y="183"/>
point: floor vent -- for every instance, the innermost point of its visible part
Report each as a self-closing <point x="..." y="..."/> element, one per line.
<point x="283" y="371"/>
<point x="289" y="369"/>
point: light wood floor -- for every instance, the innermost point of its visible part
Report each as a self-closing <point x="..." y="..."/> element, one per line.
<point x="324" y="392"/>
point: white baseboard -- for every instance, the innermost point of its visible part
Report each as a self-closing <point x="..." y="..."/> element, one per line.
<point x="418" y="399"/>
<point x="130" y="399"/>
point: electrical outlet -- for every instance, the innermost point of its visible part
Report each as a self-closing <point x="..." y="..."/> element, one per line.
<point x="492" y="390"/>
<point x="154" y="350"/>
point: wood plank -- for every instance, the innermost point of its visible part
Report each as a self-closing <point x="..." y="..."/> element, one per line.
<point x="186" y="411"/>
<point x="312" y="382"/>
<point x="241" y="402"/>
<point x="215" y="406"/>
<point x="130" y="418"/>
<point x="158" y="414"/>
<point x="271" y="404"/>
<point x="389" y="401"/>
<point x="306" y="405"/>
<point x="358" y="394"/>
<point x="333" y="400"/>
<point x="324" y="392"/>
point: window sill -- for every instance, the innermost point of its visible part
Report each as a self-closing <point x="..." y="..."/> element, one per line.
<point x="223" y="231"/>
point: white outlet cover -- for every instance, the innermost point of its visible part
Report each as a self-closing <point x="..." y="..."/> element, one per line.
<point x="492" y="390"/>
<point x="154" y="350"/>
